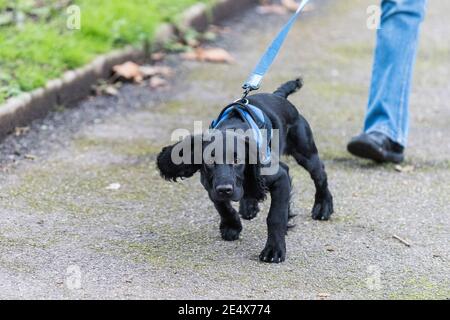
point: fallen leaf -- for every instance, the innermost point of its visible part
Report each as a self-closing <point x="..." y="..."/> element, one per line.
<point x="404" y="169"/>
<point x="158" y="56"/>
<point x="219" y="30"/>
<point x="113" y="186"/>
<point x="216" y="55"/>
<point x="291" y="5"/>
<point x="192" y="42"/>
<point x="158" y="82"/>
<point x="30" y="157"/>
<point x="128" y="70"/>
<point x="272" y="9"/>
<point x="191" y="55"/>
<point x="18" y="131"/>
<point x="103" y="87"/>
<point x="150" y="71"/>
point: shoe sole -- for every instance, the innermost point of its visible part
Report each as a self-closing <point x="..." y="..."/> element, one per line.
<point x="369" y="150"/>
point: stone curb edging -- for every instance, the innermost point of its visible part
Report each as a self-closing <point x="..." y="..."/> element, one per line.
<point x="77" y="84"/>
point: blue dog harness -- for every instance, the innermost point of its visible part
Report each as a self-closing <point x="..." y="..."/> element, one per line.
<point x="256" y="119"/>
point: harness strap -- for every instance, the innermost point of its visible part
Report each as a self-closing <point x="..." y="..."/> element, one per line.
<point x="256" y="119"/>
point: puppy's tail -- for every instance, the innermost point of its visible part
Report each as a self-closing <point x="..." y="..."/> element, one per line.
<point x="289" y="88"/>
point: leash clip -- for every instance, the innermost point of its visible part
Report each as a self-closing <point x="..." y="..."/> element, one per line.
<point x="246" y="92"/>
<point x="247" y="89"/>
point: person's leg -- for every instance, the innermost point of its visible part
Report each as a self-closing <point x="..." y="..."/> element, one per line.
<point x="395" y="55"/>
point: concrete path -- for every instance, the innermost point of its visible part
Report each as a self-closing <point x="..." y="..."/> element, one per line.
<point x="63" y="234"/>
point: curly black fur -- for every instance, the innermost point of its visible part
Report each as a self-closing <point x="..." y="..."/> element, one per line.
<point x="170" y="171"/>
<point x="254" y="184"/>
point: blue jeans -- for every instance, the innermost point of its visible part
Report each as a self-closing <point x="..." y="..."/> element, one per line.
<point x="395" y="55"/>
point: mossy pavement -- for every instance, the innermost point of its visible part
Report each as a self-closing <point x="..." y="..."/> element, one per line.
<point x="153" y="239"/>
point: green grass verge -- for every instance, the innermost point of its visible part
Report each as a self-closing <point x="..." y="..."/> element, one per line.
<point x="36" y="45"/>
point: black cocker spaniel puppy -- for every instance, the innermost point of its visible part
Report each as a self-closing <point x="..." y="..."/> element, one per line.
<point x="228" y="177"/>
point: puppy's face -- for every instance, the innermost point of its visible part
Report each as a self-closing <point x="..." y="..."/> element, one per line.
<point x="222" y="179"/>
<point x="227" y="167"/>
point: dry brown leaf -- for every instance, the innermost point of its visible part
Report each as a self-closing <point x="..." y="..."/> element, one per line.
<point x="18" y="131"/>
<point x="272" y="9"/>
<point x="291" y="5"/>
<point x="128" y="70"/>
<point x="219" y="30"/>
<point x="216" y="55"/>
<point x="191" y="55"/>
<point x="158" y="82"/>
<point x="150" y="71"/>
<point x="158" y="56"/>
<point x="192" y="42"/>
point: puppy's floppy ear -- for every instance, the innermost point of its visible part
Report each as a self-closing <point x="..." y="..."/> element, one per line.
<point x="173" y="163"/>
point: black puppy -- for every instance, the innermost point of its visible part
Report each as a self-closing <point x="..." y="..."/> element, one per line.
<point x="243" y="182"/>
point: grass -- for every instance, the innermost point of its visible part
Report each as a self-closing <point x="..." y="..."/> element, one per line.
<point x="37" y="45"/>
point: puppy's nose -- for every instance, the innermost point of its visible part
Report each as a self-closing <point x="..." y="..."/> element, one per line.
<point x="225" y="189"/>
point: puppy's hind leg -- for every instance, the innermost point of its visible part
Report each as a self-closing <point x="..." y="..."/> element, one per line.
<point x="230" y="222"/>
<point x="291" y="214"/>
<point x="302" y="147"/>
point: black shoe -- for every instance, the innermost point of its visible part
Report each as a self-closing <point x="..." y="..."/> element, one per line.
<point x="376" y="146"/>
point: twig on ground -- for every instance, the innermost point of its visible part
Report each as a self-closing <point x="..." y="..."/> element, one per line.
<point x="406" y="243"/>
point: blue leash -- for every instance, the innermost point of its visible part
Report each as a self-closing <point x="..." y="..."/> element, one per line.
<point x="254" y="81"/>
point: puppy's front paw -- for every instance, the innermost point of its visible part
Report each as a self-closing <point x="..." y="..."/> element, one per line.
<point x="323" y="208"/>
<point x="230" y="233"/>
<point x="273" y="253"/>
<point x="248" y="209"/>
